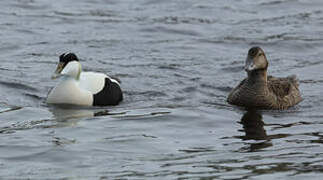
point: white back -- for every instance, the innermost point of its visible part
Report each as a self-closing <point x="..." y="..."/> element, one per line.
<point x="92" y="81"/>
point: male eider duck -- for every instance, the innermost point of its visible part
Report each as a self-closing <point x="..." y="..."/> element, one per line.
<point x="83" y="88"/>
<point x="260" y="91"/>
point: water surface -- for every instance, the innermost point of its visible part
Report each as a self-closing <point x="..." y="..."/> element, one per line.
<point x="177" y="61"/>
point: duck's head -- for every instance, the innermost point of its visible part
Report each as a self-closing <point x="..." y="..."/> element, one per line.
<point x="68" y="65"/>
<point x="256" y="60"/>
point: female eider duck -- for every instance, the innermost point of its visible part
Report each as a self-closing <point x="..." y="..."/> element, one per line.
<point x="261" y="91"/>
<point x="83" y="88"/>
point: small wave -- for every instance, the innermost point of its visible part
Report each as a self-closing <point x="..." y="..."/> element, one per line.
<point x="183" y="20"/>
<point x="275" y="2"/>
<point x="212" y="87"/>
<point x="8" y="47"/>
<point x="128" y="137"/>
<point x="141" y="115"/>
<point x="59" y="141"/>
<point x="146" y="93"/>
<point x="31" y="5"/>
<point x="69" y="13"/>
<point x="25" y="126"/>
<point x="172" y="31"/>
<point x="224" y="88"/>
<point x="18" y="86"/>
<point x="7" y="108"/>
<point x="233" y="69"/>
<point x="98" y="13"/>
<point x="310" y="81"/>
<point x="169" y="66"/>
<point x="104" y="13"/>
<point x="198" y="150"/>
<point x="188" y="89"/>
<point x="33" y="96"/>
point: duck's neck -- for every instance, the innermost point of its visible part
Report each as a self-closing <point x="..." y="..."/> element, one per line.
<point x="79" y="73"/>
<point x="73" y="70"/>
<point x="258" y="77"/>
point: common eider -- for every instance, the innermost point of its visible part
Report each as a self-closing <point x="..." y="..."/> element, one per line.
<point x="83" y="88"/>
<point x="261" y="91"/>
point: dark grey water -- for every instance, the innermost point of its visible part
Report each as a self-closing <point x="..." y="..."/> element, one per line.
<point x="177" y="60"/>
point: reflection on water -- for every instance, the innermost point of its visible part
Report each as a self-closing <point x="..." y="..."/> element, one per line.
<point x="253" y="126"/>
<point x="64" y="113"/>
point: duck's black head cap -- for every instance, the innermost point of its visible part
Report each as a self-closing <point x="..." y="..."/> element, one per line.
<point x="65" y="58"/>
<point x="254" y="51"/>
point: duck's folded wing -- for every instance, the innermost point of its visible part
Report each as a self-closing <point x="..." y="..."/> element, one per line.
<point x="286" y="89"/>
<point x="279" y="86"/>
<point x="92" y="81"/>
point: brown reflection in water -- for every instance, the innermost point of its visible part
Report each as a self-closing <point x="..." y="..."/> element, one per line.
<point x="253" y="126"/>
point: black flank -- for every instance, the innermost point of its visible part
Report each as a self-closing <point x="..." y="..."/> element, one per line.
<point x="111" y="94"/>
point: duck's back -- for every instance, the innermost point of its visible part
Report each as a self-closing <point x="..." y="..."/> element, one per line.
<point x="285" y="90"/>
<point x="92" y="81"/>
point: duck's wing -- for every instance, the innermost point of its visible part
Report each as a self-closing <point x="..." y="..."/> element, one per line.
<point x="279" y="86"/>
<point x="285" y="89"/>
<point x="282" y="86"/>
<point x="95" y="82"/>
<point x="92" y="81"/>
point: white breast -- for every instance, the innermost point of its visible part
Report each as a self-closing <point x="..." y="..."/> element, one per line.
<point x="68" y="91"/>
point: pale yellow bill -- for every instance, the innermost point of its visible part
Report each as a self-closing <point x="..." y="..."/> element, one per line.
<point x="58" y="70"/>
